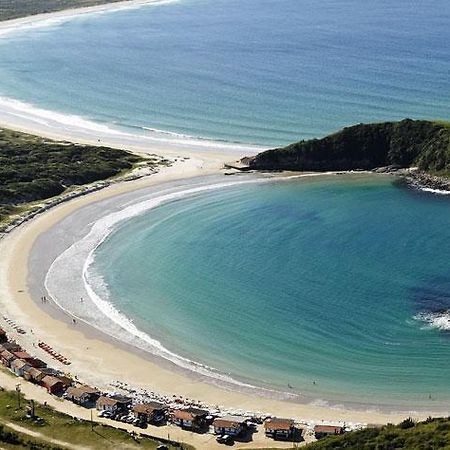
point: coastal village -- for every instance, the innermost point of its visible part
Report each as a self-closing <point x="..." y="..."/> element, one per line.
<point x="145" y="410"/>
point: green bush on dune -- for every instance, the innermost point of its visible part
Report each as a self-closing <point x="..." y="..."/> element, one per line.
<point x="33" y="168"/>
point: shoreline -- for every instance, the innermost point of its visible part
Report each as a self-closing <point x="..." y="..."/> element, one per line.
<point x="111" y="362"/>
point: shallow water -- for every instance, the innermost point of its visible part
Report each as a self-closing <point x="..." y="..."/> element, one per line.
<point x="295" y="283"/>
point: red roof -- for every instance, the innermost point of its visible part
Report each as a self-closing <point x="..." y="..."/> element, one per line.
<point x="331" y="429"/>
<point x="276" y="423"/>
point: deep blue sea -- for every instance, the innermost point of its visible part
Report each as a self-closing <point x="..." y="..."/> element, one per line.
<point x="332" y="288"/>
<point x="267" y="72"/>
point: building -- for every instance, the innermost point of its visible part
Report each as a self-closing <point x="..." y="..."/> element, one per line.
<point x="277" y="428"/>
<point x="113" y="404"/>
<point x="34" y="375"/>
<point x="151" y="412"/>
<point x="7" y="358"/>
<point x="21" y="354"/>
<point x="83" y="395"/>
<point x="11" y="346"/>
<point x="18" y="366"/>
<point x="36" y="363"/>
<point x="54" y="385"/>
<point x="231" y="425"/>
<point x="191" y="418"/>
<point x="327" y="430"/>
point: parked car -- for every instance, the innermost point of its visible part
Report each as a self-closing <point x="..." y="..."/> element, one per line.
<point x="225" y="439"/>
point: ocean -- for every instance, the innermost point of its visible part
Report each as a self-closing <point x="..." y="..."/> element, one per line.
<point x="262" y="72"/>
<point x="335" y="289"/>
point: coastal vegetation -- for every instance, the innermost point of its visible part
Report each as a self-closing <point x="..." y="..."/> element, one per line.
<point x="33" y="168"/>
<point x="13" y="9"/>
<point x="430" y="434"/>
<point x="404" y="144"/>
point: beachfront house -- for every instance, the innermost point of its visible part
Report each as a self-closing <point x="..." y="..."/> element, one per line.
<point x="277" y="428"/>
<point x="11" y="346"/>
<point x="7" y="358"/>
<point x="231" y="425"/>
<point x="18" y="366"/>
<point x="151" y="412"/>
<point x="21" y="354"/>
<point x="36" y="363"/>
<point x="191" y="418"/>
<point x="54" y="385"/>
<point x="34" y="375"/>
<point x="113" y="404"/>
<point x="83" y="395"/>
<point x="327" y="430"/>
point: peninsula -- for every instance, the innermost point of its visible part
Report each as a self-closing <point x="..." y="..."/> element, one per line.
<point x="393" y="145"/>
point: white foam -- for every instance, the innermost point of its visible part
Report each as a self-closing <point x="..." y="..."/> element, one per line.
<point x="435" y="191"/>
<point x="439" y="320"/>
<point x="71" y="124"/>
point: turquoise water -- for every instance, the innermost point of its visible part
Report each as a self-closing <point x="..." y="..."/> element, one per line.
<point x="256" y="71"/>
<point x="296" y="282"/>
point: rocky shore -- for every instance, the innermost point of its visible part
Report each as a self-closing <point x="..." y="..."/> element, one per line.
<point x="423" y="180"/>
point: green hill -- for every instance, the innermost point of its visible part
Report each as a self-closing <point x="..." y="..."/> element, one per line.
<point x="428" y="435"/>
<point x="367" y="146"/>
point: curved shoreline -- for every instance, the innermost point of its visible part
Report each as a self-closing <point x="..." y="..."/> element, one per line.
<point x="102" y="361"/>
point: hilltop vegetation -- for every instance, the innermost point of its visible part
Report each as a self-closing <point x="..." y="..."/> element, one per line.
<point x="13" y="9"/>
<point x="402" y="144"/>
<point x="33" y="168"/>
<point x="431" y="434"/>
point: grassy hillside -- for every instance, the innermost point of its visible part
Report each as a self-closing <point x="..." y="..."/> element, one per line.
<point x="12" y="9"/>
<point x="428" y="435"/>
<point x="33" y="168"/>
<point x="366" y="146"/>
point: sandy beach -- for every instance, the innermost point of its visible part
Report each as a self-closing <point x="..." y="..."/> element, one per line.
<point x="96" y="358"/>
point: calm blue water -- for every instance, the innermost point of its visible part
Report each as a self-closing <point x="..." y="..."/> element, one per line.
<point x="295" y="282"/>
<point x="257" y="71"/>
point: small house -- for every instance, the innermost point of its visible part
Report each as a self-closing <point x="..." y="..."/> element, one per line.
<point x="231" y="425"/>
<point x="277" y="428"/>
<point x="113" y="404"/>
<point x="18" y="366"/>
<point x="151" y="412"/>
<point x="11" y="346"/>
<point x="34" y="375"/>
<point x="54" y="385"/>
<point x="21" y="354"/>
<point x="7" y="358"/>
<point x="83" y="395"/>
<point x="191" y="418"/>
<point x="327" y="430"/>
<point x="36" y="363"/>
